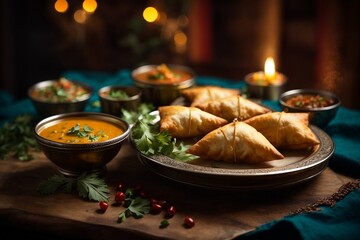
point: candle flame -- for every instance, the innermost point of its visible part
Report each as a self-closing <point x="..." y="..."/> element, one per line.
<point x="270" y="68"/>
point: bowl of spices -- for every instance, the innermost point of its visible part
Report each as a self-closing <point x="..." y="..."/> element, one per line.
<point x="115" y="98"/>
<point x="81" y="141"/>
<point x="322" y="105"/>
<point x="52" y="97"/>
<point x="162" y="84"/>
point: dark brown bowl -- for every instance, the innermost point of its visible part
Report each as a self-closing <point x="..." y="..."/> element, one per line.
<point x="318" y="116"/>
<point x="46" y="109"/>
<point x="74" y="159"/>
<point x="165" y="93"/>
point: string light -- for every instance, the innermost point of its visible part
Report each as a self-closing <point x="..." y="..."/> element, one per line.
<point x="61" y="6"/>
<point x="89" y="5"/>
<point x="150" y="14"/>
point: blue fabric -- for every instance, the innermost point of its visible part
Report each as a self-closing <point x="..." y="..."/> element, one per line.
<point x="339" y="222"/>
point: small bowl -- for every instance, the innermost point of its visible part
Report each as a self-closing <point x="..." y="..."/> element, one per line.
<point x="162" y="93"/>
<point x="72" y="159"/>
<point x="46" y="108"/>
<point x="113" y="105"/>
<point x="265" y="92"/>
<point x="319" y="116"/>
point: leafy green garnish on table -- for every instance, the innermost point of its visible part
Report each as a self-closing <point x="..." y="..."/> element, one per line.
<point x="88" y="185"/>
<point x="136" y="207"/>
<point x="16" y="137"/>
<point x="150" y="141"/>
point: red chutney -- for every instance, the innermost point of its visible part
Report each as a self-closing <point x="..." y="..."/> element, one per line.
<point x="309" y="101"/>
<point x="162" y="74"/>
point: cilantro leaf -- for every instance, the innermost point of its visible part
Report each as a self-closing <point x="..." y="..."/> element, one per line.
<point x="137" y="208"/>
<point x="17" y="138"/>
<point x="150" y="141"/>
<point x="132" y="116"/>
<point x="55" y="183"/>
<point x="92" y="187"/>
<point x="88" y="186"/>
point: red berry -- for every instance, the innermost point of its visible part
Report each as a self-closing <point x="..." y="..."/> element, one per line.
<point x="156" y="208"/>
<point x="163" y="203"/>
<point x="189" y="222"/>
<point x="119" y="197"/>
<point x="170" y="212"/>
<point x="103" y="205"/>
<point x="121" y="187"/>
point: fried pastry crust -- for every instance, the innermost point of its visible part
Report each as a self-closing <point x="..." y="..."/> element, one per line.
<point x="234" y="107"/>
<point x="184" y="122"/>
<point x="197" y="95"/>
<point x="235" y="142"/>
<point x="285" y="130"/>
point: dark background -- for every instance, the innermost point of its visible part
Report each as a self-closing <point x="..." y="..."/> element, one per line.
<point x="314" y="42"/>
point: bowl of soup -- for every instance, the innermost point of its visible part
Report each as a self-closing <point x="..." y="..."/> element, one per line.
<point x="81" y="141"/>
<point x="52" y="97"/>
<point x="322" y="105"/>
<point x="113" y="99"/>
<point x="162" y="84"/>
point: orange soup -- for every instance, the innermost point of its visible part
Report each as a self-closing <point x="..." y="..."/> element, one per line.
<point x="80" y="131"/>
<point x="162" y="74"/>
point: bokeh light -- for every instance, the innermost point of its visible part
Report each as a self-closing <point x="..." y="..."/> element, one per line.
<point x="80" y="16"/>
<point x="89" y="5"/>
<point x="150" y="14"/>
<point x="61" y="6"/>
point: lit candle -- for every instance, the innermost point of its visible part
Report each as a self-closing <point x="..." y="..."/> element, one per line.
<point x="267" y="84"/>
<point x="270" y="73"/>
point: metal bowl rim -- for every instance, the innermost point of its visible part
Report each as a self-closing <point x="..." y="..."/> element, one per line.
<point x="145" y="68"/>
<point x="83" y="98"/>
<point x="85" y="146"/>
<point x="132" y="98"/>
<point x="295" y="92"/>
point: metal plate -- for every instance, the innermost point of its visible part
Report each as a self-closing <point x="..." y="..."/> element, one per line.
<point x="297" y="166"/>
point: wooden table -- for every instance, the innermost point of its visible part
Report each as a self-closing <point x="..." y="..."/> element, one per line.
<point x="218" y="214"/>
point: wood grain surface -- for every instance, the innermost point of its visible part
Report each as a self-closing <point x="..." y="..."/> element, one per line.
<point x="218" y="214"/>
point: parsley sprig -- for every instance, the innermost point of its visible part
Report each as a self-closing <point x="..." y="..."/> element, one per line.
<point x="88" y="185"/>
<point x="135" y="206"/>
<point x="16" y="137"/>
<point x="84" y="132"/>
<point x="133" y="116"/>
<point x="150" y="141"/>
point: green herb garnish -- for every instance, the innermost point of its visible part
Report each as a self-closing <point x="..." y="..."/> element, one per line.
<point x="132" y="116"/>
<point x="118" y="94"/>
<point x="84" y="132"/>
<point x="150" y="141"/>
<point x="164" y="223"/>
<point x="87" y="185"/>
<point x="136" y="207"/>
<point x="16" y="137"/>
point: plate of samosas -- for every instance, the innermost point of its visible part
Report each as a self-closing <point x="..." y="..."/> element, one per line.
<point x="239" y="144"/>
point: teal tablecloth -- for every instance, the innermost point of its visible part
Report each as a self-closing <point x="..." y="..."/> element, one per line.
<point x="341" y="221"/>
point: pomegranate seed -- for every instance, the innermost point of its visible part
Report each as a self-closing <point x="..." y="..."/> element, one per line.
<point x="189" y="222"/>
<point x="170" y="212"/>
<point x="121" y="187"/>
<point x="156" y="208"/>
<point x="103" y="205"/>
<point x="119" y="197"/>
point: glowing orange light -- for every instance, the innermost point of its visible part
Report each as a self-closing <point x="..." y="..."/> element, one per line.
<point x="150" y="14"/>
<point x="80" y="16"/>
<point x="89" y="5"/>
<point x="180" y="38"/>
<point x="61" y="6"/>
<point x="270" y="68"/>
